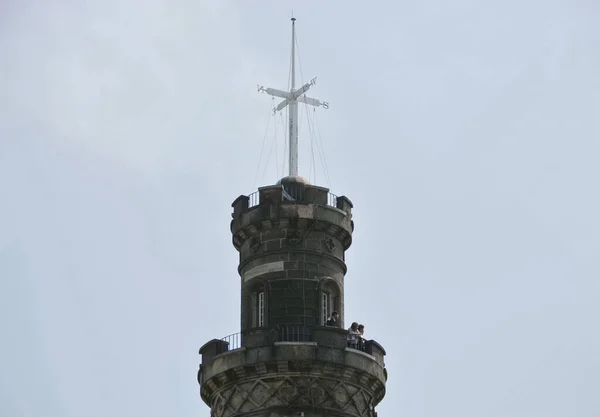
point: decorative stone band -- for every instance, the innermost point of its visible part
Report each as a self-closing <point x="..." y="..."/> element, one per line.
<point x="258" y="265"/>
<point x="270" y="392"/>
<point x="341" y="381"/>
<point x="303" y="218"/>
<point x="263" y="269"/>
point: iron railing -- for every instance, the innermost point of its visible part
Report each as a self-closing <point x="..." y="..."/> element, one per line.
<point x="253" y="199"/>
<point x="358" y="345"/>
<point x="294" y="333"/>
<point x="232" y="342"/>
<point x="331" y="200"/>
<point x="286" y="333"/>
<point x="290" y="194"/>
<point x="293" y="192"/>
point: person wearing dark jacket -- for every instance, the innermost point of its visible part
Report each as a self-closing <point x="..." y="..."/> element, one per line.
<point x="333" y="319"/>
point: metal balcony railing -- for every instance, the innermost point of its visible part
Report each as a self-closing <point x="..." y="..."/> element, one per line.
<point x="232" y="342"/>
<point x="331" y="200"/>
<point x="358" y="345"/>
<point x="294" y="333"/>
<point x="290" y="194"/>
<point x="253" y="199"/>
<point x="285" y="333"/>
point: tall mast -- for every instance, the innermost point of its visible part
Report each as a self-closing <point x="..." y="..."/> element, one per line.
<point x="292" y="98"/>
<point x="293" y="53"/>
<point x="293" y="163"/>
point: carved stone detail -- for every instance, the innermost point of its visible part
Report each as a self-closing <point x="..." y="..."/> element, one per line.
<point x="300" y="392"/>
<point x="240" y="372"/>
<point x="261" y="368"/>
<point x="294" y="237"/>
<point x="255" y="244"/>
<point x="329" y="244"/>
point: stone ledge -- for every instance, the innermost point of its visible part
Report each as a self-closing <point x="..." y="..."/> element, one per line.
<point x="229" y="352"/>
<point x="248" y="224"/>
<point x="360" y="352"/>
<point x="296" y="250"/>
<point x="296" y="343"/>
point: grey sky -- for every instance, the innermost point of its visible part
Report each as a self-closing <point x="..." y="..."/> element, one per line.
<point x="466" y="133"/>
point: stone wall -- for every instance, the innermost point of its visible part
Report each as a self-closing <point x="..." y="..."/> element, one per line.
<point x="321" y="376"/>
<point x="293" y="253"/>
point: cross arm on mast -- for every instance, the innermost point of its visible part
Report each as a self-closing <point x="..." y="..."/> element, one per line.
<point x="302" y="90"/>
<point x="297" y="96"/>
<point x="274" y="92"/>
<point x="302" y="99"/>
<point x="313" y="102"/>
<point x="281" y="105"/>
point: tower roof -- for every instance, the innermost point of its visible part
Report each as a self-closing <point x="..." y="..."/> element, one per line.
<point x="293" y="179"/>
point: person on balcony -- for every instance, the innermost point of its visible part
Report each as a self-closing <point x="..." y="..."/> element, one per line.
<point x="333" y="319"/>
<point x="361" y="336"/>
<point x="353" y="336"/>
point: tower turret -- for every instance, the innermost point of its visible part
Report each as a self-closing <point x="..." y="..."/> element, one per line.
<point x="286" y="360"/>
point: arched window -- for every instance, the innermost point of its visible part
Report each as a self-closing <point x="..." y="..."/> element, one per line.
<point x="329" y="299"/>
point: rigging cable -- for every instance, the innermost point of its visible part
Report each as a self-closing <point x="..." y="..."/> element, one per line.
<point x="262" y="149"/>
<point x="312" y="131"/>
<point x="276" y="148"/>
<point x="273" y="143"/>
<point x="322" y="151"/>
<point x="285" y="143"/>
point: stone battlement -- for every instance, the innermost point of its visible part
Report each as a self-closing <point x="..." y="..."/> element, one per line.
<point x="285" y="194"/>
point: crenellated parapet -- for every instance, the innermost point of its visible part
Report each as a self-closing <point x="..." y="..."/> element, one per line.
<point x="292" y="239"/>
<point x="314" y="208"/>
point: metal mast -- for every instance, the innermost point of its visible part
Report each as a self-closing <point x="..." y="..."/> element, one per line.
<point x="292" y="98"/>
<point x="293" y="135"/>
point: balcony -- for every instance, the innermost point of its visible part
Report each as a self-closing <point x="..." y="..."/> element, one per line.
<point x="289" y="334"/>
<point x="296" y="196"/>
<point x="293" y="354"/>
<point x="294" y="193"/>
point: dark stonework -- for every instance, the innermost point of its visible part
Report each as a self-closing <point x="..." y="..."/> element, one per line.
<point x="322" y="376"/>
<point x="288" y="250"/>
<point x="291" y="239"/>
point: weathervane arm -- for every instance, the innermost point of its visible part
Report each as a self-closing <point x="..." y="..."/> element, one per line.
<point x="274" y="92"/>
<point x="304" y="88"/>
<point x="313" y="102"/>
<point x="281" y="105"/>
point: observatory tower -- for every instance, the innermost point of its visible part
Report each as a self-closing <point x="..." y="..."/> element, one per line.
<point x="285" y="361"/>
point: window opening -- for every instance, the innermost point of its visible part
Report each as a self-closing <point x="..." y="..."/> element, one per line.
<point x="261" y="309"/>
<point x="325" y="307"/>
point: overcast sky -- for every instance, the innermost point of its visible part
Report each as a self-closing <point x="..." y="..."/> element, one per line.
<point x="466" y="133"/>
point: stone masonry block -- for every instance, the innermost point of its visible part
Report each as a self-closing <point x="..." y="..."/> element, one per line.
<point x="272" y="234"/>
<point x="261" y="368"/>
<point x="282" y="366"/>
<point x="273" y="245"/>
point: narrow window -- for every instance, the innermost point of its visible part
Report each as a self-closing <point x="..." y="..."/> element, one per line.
<point x="325" y="307"/>
<point x="253" y="310"/>
<point x="261" y="309"/>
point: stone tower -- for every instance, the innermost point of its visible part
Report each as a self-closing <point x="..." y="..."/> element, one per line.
<point x="285" y="361"/>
